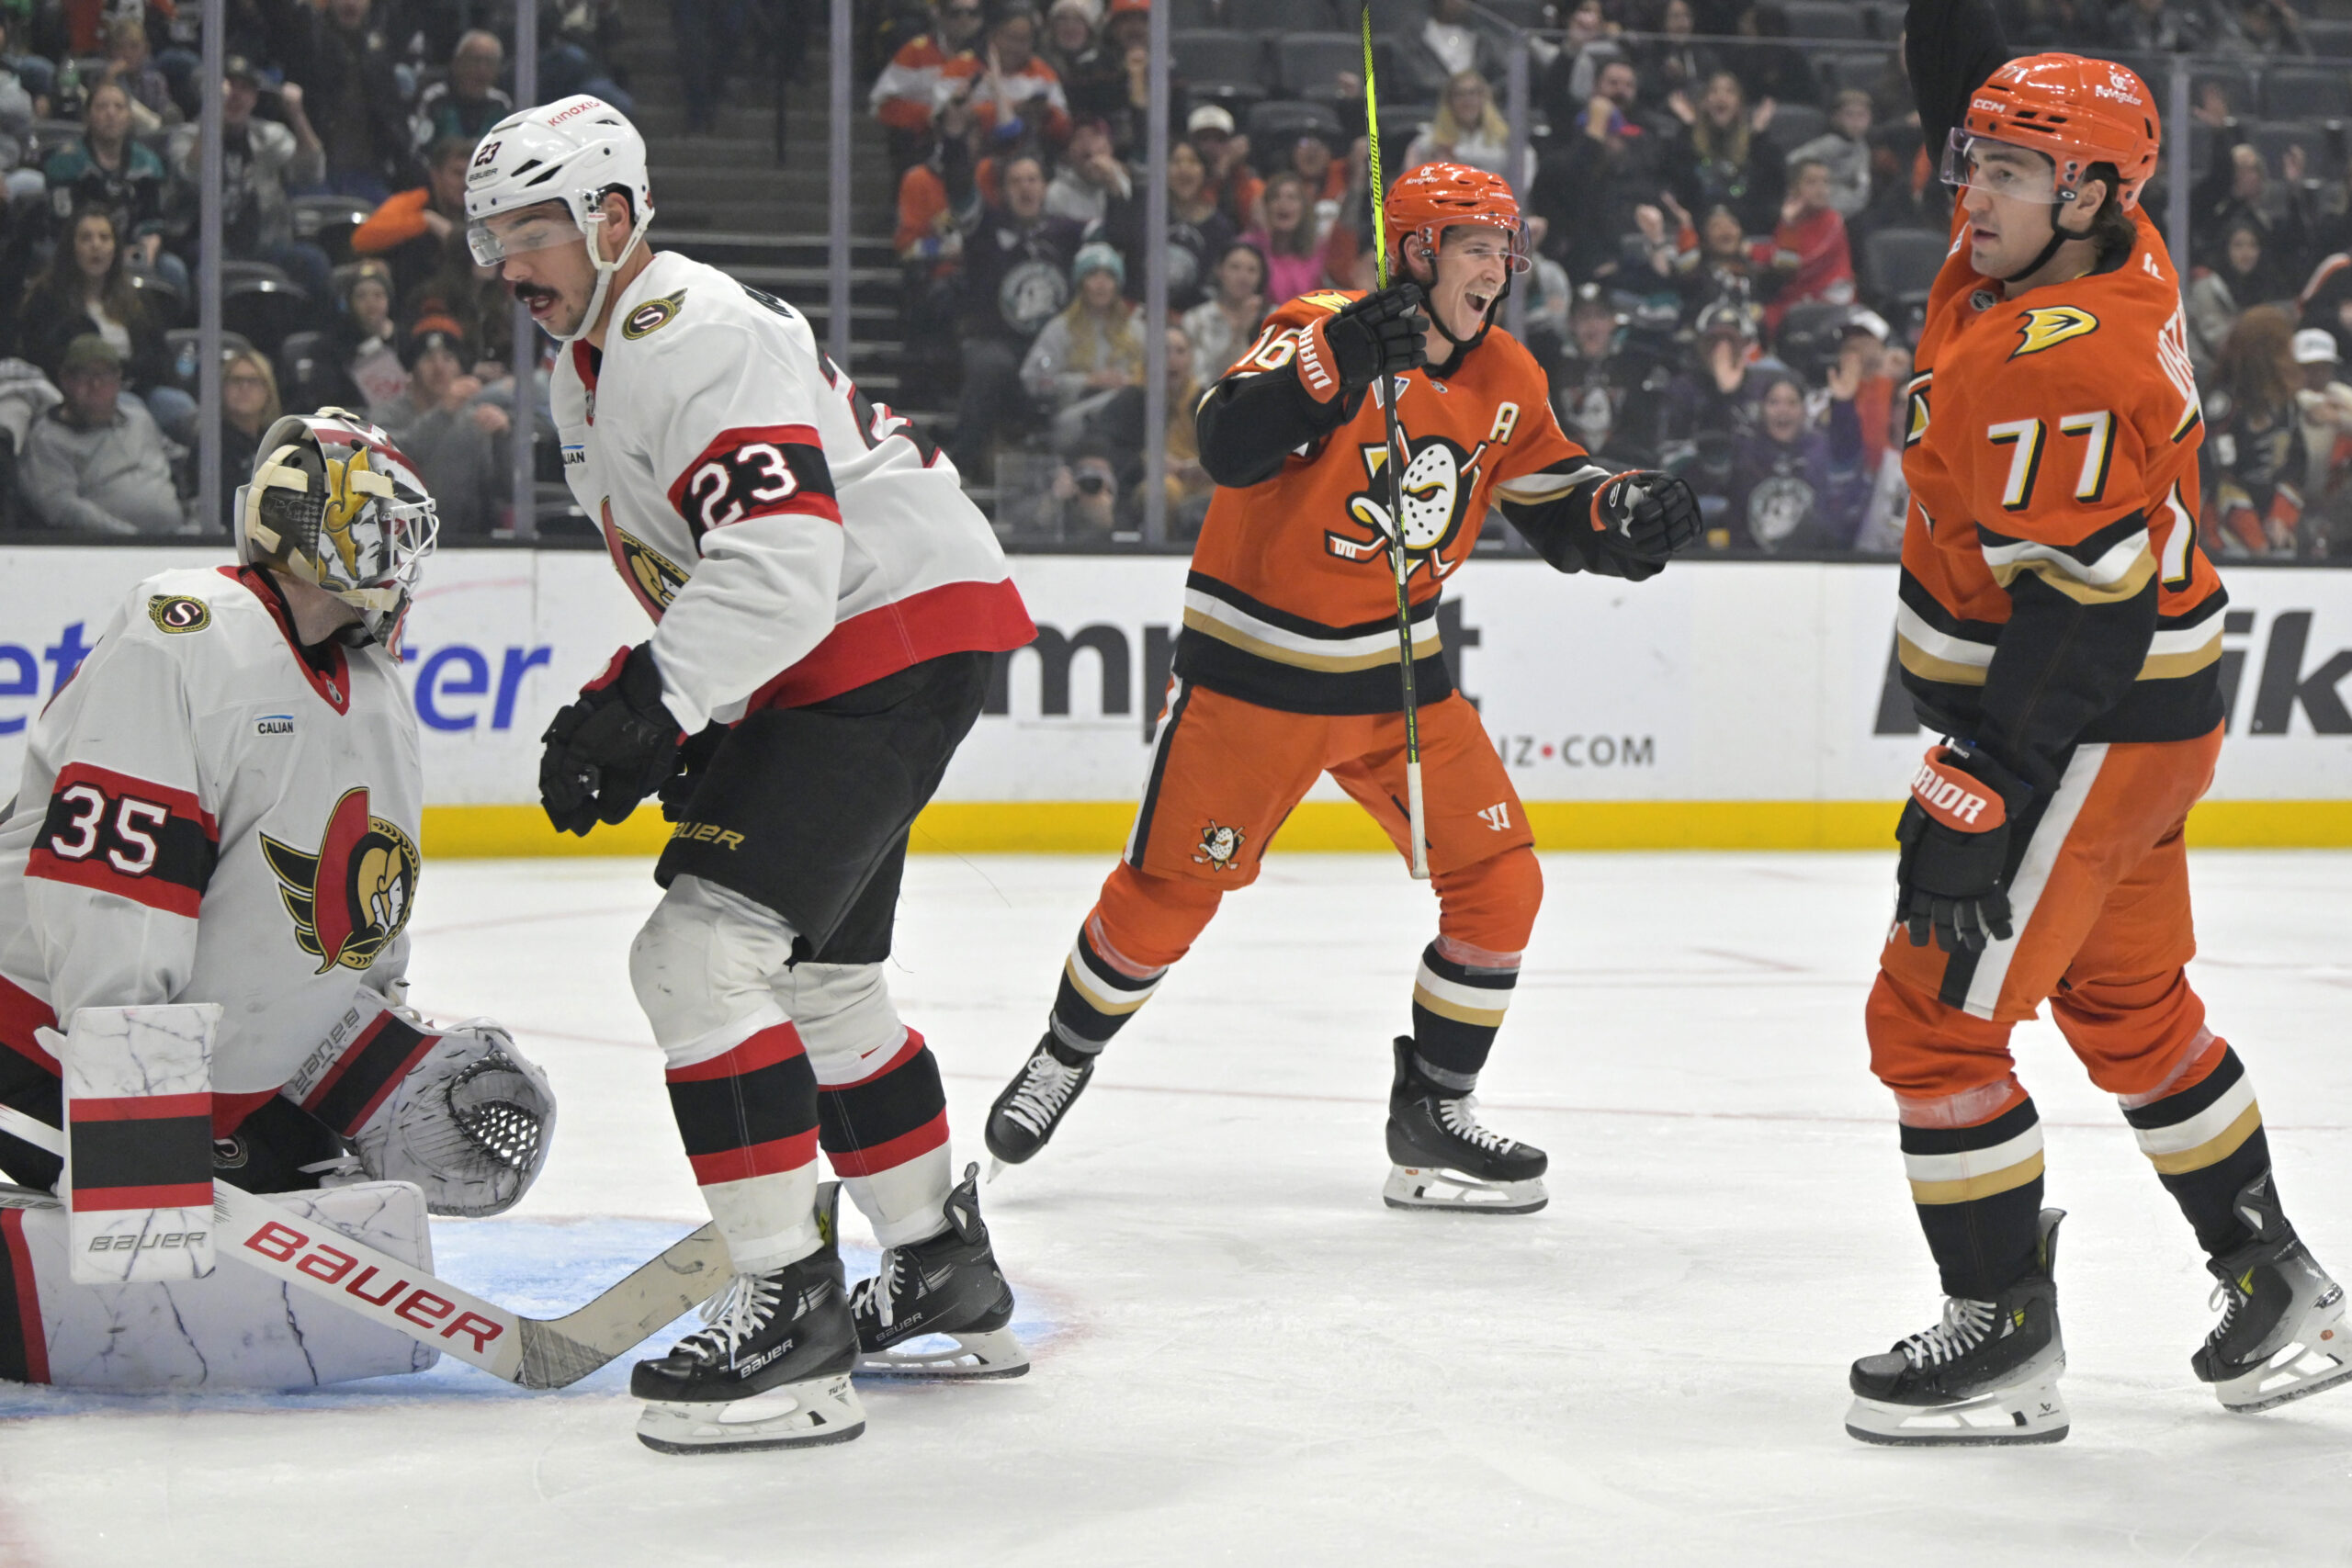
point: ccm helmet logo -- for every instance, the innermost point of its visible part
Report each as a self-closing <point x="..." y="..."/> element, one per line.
<point x="336" y="1267"/>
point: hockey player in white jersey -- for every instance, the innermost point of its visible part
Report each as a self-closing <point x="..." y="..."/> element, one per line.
<point x="827" y="604"/>
<point x="215" y="837"/>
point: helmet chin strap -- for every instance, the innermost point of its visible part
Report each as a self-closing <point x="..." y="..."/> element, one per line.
<point x="605" y="270"/>
<point x="2058" y="236"/>
<point x="1463" y="346"/>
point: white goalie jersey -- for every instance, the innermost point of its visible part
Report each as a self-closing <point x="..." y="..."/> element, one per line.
<point x="792" y="540"/>
<point x="205" y="816"/>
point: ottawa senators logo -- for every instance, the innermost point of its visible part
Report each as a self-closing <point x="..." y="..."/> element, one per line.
<point x="353" y="894"/>
<point x="178" y="613"/>
<point x="654" y="315"/>
<point x="1220" y="847"/>
<point x="653" y="577"/>
<point x="1437" y="487"/>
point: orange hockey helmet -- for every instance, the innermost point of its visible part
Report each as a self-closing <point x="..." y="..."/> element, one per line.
<point x="2075" y="111"/>
<point x="1434" y="198"/>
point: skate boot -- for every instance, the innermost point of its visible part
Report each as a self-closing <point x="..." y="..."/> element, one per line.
<point x="947" y="1287"/>
<point x="1034" y="1102"/>
<point x="1443" y="1159"/>
<point x="2282" y="1333"/>
<point x="770" y="1372"/>
<point x="1987" y="1373"/>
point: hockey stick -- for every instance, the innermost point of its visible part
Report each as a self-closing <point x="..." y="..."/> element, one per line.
<point x="529" y="1351"/>
<point x="1415" y="818"/>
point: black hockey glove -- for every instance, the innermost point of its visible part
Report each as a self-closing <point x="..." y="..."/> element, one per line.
<point x="609" y="747"/>
<point x="1380" y="334"/>
<point x="1646" y="514"/>
<point x="694" y="763"/>
<point x="1955" y="839"/>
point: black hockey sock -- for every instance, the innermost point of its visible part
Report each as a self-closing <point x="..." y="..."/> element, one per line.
<point x="1457" y="1007"/>
<point x="1095" y="1000"/>
<point x="2206" y="1142"/>
<point x="883" y="1121"/>
<point x="1978" y="1191"/>
<point x="749" y="1111"/>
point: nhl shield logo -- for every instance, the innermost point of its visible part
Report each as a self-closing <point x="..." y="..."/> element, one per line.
<point x="353" y="894"/>
<point x="1220" y="847"/>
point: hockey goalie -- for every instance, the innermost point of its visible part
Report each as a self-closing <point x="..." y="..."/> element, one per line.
<point x="206" y="881"/>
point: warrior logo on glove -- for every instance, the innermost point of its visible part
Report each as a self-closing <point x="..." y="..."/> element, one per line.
<point x="353" y="896"/>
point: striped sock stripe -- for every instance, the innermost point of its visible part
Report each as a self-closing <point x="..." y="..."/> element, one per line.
<point x="749" y="1111"/>
<point x="2204" y="1124"/>
<point x="1095" y="996"/>
<point x="1457" y="1007"/>
<point x="884" y="1119"/>
<point x="1961" y="1165"/>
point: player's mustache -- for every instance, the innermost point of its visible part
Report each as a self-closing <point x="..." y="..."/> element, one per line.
<point x="534" y="293"/>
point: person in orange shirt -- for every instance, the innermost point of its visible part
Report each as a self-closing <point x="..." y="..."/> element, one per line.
<point x="1014" y="95"/>
<point x="411" y="229"/>
<point x="906" y="93"/>
<point x="1288" y="663"/>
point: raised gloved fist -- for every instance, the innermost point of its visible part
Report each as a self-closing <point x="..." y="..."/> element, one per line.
<point x="1955" y="839"/>
<point x="1647" y="512"/>
<point x="609" y="747"/>
<point x="1380" y="334"/>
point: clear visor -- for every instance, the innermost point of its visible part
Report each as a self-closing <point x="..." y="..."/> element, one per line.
<point x="1491" y="241"/>
<point x="2002" y="168"/>
<point x="492" y="240"/>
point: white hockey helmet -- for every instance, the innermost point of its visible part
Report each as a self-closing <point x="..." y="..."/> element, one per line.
<point x="334" y="502"/>
<point x="571" y="150"/>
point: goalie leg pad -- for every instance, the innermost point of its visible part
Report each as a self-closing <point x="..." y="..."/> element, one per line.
<point x="138" y="1183"/>
<point x="235" y="1329"/>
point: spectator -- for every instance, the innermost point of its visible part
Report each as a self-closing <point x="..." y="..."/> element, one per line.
<point x="1226" y="322"/>
<point x="2264" y="29"/>
<point x="2326" y="302"/>
<point x="1844" y="150"/>
<point x="1091" y="177"/>
<point x="1085" y="356"/>
<point x="1609" y="399"/>
<point x="415" y="230"/>
<point x="1197" y="233"/>
<point x="249" y="406"/>
<point x="2246" y="277"/>
<point x="469" y="102"/>
<point x="368" y="343"/>
<point x="1724" y="159"/>
<point x="1721" y="269"/>
<point x="1189" y="487"/>
<point x="1286" y="239"/>
<point x="35" y="76"/>
<point x="1070" y="36"/>
<point x="18" y="108"/>
<point x="1447" y="45"/>
<point x="1867" y="361"/>
<point x="1714" y="397"/>
<point x="906" y="95"/>
<point x="1233" y="185"/>
<point x="2238" y="189"/>
<point x="1469" y="130"/>
<point x="1603" y="168"/>
<point x="1591" y="42"/>
<point x="1082" y="504"/>
<point x="1110" y="82"/>
<point x="260" y="158"/>
<point x="1795" y="487"/>
<point x="2325" y="405"/>
<point x="86" y="290"/>
<point x="452" y="441"/>
<point x="1809" y="247"/>
<point x="95" y="463"/>
<point x="1772" y="70"/>
<point x="106" y="168"/>
<point x="1016" y="279"/>
<point x="573" y="61"/>
<point x="1674" y="64"/>
<point x="2157" y="26"/>
<point x="2254" y="456"/>
<point x="1016" y="97"/>
<point x="128" y="65"/>
<point x="366" y="132"/>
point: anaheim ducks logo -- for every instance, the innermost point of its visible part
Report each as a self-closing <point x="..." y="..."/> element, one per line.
<point x="1220" y="847"/>
<point x="652" y="576"/>
<point x="1436" y="490"/>
<point x="2052" y="325"/>
<point x="353" y="896"/>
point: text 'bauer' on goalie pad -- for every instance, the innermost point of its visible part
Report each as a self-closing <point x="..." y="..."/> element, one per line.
<point x="459" y="1111"/>
<point x="237" y="1328"/>
<point x="138" y="1183"/>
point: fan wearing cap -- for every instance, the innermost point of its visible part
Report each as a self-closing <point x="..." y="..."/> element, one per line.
<point x="2324" y="404"/>
<point x="2059" y="627"/>
<point x="1287" y="664"/>
<point x="216" y="824"/>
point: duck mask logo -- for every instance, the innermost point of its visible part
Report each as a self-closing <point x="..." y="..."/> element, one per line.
<point x="353" y="896"/>
<point x="1438" y="484"/>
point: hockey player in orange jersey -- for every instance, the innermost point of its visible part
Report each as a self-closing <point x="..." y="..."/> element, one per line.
<point x="1288" y="663"/>
<point x="2059" y="627"/>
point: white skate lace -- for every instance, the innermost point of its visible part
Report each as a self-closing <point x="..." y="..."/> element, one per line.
<point x="2226" y="1298"/>
<point x="1458" y="1117"/>
<point x="1043" y="1093"/>
<point x="1964" y="1326"/>
<point x="737" y="1313"/>
<point x="882" y="1289"/>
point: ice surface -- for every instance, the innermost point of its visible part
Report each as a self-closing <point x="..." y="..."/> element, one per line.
<point x="1242" y="1356"/>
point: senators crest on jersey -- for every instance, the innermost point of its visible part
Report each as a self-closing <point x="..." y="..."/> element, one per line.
<point x="1435" y="492"/>
<point x="653" y="577"/>
<point x="351" y="896"/>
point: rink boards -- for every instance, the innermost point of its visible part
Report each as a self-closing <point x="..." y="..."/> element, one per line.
<point x="1723" y="704"/>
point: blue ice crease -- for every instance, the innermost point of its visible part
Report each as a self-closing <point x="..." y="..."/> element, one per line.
<point x="539" y="1267"/>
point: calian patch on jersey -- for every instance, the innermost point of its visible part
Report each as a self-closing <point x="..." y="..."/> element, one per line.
<point x="2053" y="324"/>
<point x="353" y="894"/>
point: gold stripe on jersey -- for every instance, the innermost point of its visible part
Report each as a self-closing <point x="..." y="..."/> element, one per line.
<point x="2110" y="565"/>
<point x="1235" y="627"/>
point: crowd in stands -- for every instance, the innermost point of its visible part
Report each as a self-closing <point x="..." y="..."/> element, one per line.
<point x="346" y="126"/>
<point x="1734" y="221"/>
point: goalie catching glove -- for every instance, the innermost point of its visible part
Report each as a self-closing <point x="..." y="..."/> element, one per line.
<point x="609" y="747"/>
<point x="1955" y="837"/>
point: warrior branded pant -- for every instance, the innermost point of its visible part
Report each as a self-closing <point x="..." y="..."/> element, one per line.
<point x="2098" y="888"/>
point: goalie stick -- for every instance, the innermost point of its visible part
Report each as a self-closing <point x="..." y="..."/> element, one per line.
<point x="529" y="1351"/>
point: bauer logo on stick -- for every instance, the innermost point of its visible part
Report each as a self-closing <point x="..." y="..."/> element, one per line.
<point x="1953" y="798"/>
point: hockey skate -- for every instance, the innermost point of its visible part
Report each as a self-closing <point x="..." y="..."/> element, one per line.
<point x="1034" y="1102"/>
<point x="770" y="1372"/>
<point x="945" y="1287"/>
<point x="1986" y="1373"/>
<point x="2282" y="1333"/>
<point x="1445" y="1159"/>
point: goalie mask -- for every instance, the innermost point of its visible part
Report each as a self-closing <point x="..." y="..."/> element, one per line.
<point x="334" y="502"/>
